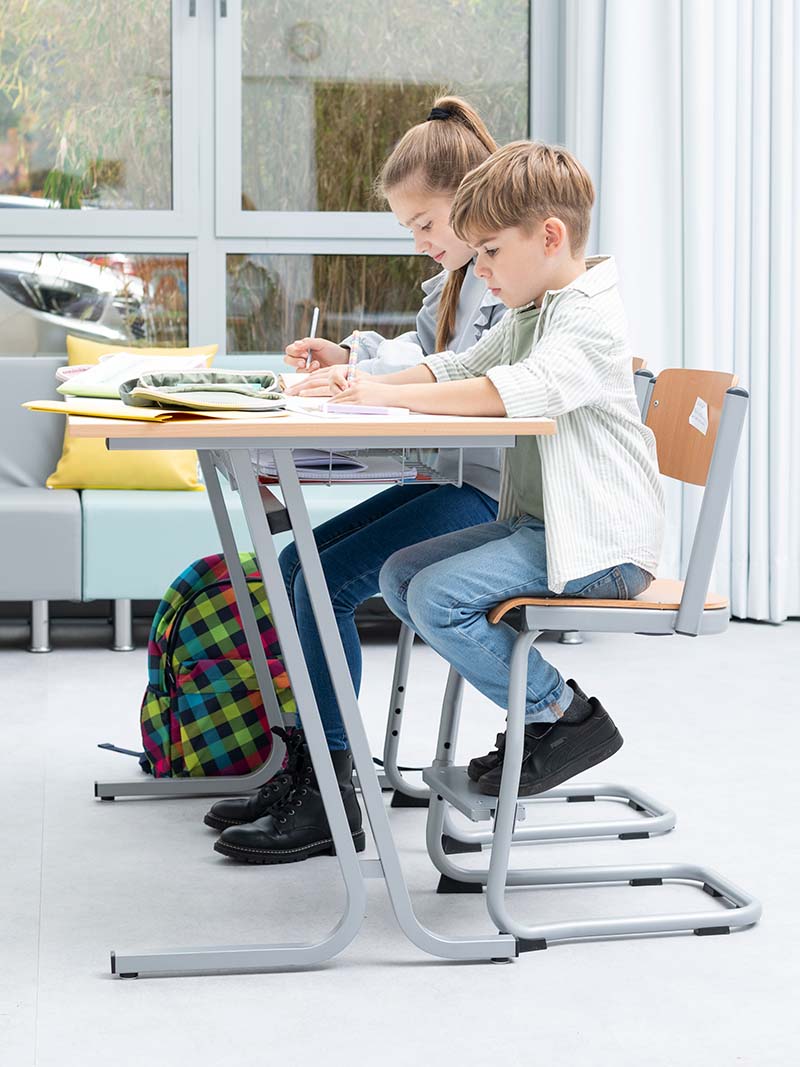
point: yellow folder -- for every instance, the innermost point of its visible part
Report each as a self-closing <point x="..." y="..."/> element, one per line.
<point x="115" y="409"/>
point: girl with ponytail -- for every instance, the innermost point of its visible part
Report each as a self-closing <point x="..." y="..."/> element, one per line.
<point x="419" y="181"/>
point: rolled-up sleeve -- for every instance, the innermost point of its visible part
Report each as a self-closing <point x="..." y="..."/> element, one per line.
<point x="447" y="367"/>
<point x="565" y="370"/>
<point x="381" y="355"/>
<point x="474" y="363"/>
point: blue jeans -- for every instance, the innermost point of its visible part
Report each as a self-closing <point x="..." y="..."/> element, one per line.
<point x="443" y="589"/>
<point x="353" y="547"/>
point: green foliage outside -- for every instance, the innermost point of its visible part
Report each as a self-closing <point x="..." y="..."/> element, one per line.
<point x="327" y="90"/>
<point x="86" y="88"/>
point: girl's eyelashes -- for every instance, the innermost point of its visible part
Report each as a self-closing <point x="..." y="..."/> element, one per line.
<point x="426" y="227"/>
<point x="491" y="252"/>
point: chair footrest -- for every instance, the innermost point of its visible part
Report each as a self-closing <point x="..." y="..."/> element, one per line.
<point x="454" y="786"/>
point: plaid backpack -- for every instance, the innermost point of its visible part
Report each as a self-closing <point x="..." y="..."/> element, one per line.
<point x="202" y="713"/>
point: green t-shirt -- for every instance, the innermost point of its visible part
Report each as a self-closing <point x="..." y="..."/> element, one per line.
<point x="524" y="461"/>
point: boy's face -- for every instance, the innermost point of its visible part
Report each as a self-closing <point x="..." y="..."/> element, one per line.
<point x="518" y="265"/>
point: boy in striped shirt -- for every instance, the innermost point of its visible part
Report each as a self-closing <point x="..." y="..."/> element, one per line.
<point x="581" y="512"/>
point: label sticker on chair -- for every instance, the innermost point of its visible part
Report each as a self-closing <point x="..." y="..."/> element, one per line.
<point x="699" y="416"/>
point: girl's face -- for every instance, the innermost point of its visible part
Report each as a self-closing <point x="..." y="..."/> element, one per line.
<point x="426" y="215"/>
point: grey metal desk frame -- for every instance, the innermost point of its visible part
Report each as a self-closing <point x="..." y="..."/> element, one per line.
<point x="354" y="871"/>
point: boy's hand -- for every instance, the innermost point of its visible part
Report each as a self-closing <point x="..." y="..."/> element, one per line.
<point x="325" y="382"/>
<point x="323" y="354"/>
<point x="365" y="390"/>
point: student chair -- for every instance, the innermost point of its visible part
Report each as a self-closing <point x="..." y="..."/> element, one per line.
<point x="573" y="637"/>
<point x="658" y="818"/>
<point x="697" y="419"/>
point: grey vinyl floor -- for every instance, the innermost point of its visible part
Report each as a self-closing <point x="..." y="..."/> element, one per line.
<point x="711" y="726"/>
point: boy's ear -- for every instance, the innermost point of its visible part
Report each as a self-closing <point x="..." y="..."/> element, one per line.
<point x="555" y="236"/>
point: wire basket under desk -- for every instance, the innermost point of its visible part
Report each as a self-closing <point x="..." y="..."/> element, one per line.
<point x="413" y="466"/>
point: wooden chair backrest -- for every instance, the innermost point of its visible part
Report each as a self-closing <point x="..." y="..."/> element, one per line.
<point x="638" y="363"/>
<point x="684" y="413"/>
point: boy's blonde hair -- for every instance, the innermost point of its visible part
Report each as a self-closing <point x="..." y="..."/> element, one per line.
<point x="523" y="183"/>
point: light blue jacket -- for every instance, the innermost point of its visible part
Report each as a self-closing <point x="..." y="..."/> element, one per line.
<point x="477" y="312"/>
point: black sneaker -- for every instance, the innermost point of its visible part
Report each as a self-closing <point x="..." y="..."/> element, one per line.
<point x="477" y="767"/>
<point x="297" y="827"/>
<point x="554" y="754"/>
<point x="236" y="811"/>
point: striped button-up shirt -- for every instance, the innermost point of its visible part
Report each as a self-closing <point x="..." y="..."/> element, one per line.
<point x="602" y="494"/>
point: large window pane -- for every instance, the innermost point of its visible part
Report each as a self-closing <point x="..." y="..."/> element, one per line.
<point x="271" y="297"/>
<point x="136" y="299"/>
<point x="85" y="104"/>
<point x="327" y="89"/>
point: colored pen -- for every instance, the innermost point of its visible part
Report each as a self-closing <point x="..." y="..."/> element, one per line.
<point x="351" y="363"/>
<point x="314" y="321"/>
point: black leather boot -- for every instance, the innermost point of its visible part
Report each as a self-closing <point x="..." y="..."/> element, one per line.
<point x="477" y="767"/>
<point x="297" y="827"/>
<point x="234" y="811"/>
<point x="554" y="753"/>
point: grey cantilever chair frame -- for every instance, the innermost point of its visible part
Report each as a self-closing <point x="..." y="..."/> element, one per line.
<point x="695" y="613"/>
<point x="653" y="817"/>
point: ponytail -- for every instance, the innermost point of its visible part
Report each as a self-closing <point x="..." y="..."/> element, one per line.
<point x="436" y="154"/>
<point x="448" y="306"/>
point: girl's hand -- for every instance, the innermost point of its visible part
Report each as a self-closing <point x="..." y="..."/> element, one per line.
<point x="323" y="354"/>
<point x="326" y="382"/>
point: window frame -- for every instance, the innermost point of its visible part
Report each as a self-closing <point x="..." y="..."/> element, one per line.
<point x="322" y="226"/>
<point x="182" y="219"/>
<point x="206" y="167"/>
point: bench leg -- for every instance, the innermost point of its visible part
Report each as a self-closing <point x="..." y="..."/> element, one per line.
<point x="40" y="626"/>
<point x="123" y="626"/>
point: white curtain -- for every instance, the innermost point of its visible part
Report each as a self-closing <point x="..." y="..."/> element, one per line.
<point x="687" y="115"/>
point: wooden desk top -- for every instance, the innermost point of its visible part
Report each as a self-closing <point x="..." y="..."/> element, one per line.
<point x="310" y="428"/>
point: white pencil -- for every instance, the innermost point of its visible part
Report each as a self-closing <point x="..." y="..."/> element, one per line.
<point x="314" y="321"/>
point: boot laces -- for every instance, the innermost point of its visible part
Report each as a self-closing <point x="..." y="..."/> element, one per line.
<point x="300" y="769"/>
<point x="295" y="743"/>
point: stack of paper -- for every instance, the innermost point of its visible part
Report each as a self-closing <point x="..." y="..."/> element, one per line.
<point x="311" y="460"/>
<point x="317" y="465"/>
<point x="104" y="378"/>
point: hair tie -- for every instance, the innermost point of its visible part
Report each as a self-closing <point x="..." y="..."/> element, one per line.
<point x="440" y="113"/>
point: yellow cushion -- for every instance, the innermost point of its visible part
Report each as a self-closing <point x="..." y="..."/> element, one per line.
<point x="87" y="464"/>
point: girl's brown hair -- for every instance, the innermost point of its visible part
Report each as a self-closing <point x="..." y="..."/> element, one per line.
<point x="437" y="154"/>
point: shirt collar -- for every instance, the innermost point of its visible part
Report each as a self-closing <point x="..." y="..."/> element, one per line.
<point x="599" y="276"/>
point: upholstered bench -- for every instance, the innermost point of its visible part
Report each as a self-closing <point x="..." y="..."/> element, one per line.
<point x="100" y="544"/>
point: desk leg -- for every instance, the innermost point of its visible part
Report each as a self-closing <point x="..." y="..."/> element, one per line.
<point x="277" y="956"/>
<point x="239" y="783"/>
<point x="485" y="946"/>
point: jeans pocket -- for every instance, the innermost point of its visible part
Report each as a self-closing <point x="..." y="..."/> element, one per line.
<point x="623" y="582"/>
<point x="634" y="580"/>
<point x="602" y="585"/>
